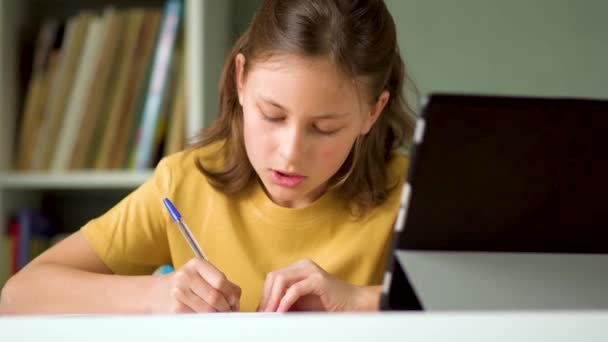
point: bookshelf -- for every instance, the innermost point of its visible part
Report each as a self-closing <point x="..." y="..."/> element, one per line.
<point x="86" y="180"/>
<point x="76" y="196"/>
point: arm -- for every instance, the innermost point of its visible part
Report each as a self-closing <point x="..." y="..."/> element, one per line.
<point x="130" y="239"/>
<point x="70" y="277"/>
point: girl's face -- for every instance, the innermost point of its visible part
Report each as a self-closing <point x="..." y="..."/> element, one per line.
<point x="300" y="121"/>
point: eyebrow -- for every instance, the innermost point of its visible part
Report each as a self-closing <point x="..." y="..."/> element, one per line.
<point x="322" y="116"/>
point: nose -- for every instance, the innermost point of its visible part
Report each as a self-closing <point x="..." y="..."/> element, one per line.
<point x="292" y="144"/>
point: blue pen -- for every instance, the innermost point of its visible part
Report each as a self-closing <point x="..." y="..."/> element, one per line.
<point x="175" y="215"/>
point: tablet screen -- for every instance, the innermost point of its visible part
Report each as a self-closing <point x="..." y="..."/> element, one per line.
<point x="510" y="174"/>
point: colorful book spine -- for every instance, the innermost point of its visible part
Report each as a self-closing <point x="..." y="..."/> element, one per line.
<point x="13" y="242"/>
<point x="145" y="149"/>
<point x="34" y="232"/>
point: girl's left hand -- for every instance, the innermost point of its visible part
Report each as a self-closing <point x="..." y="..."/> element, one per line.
<point x="304" y="286"/>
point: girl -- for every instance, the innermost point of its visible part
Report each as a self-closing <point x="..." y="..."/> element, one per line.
<point x="291" y="193"/>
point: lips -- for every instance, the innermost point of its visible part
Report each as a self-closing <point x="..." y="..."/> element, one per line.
<point x="286" y="179"/>
<point x="288" y="174"/>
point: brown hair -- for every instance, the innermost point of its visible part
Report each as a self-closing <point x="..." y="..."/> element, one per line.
<point x="360" y="38"/>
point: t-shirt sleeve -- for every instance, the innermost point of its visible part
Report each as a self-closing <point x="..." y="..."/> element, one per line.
<point x="131" y="237"/>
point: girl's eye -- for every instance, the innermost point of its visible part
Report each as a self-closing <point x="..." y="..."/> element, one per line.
<point x="317" y="129"/>
<point x="326" y="131"/>
<point x="271" y="118"/>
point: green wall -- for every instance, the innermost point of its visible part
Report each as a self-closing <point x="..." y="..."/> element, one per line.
<point x="242" y="11"/>
<point x="536" y="47"/>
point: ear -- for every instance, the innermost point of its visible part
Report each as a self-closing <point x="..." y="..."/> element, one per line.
<point x="375" y="111"/>
<point x="239" y="72"/>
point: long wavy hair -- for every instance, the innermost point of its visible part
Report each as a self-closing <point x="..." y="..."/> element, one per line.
<point x="359" y="36"/>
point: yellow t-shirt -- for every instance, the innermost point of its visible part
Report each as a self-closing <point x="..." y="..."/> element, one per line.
<point x="245" y="236"/>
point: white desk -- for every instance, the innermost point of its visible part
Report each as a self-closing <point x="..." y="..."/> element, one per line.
<point x="407" y="327"/>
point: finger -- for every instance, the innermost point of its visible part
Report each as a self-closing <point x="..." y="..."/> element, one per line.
<point x="297" y="271"/>
<point x="231" y="293"/>
<point x="282" y="282"/>
<point x="210" y="295"/>
<point x="181" y="308"/>
<point x="295" y="292"/>
<point x="233" y="296"/>
<point x="279" y="286"/>
<point x="188" y="301"/>
<point x="266" y="291"/>
<point x="235" y="304"/>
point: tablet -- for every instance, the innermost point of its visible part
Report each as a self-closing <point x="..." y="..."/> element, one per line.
<point x="505" y="206"/>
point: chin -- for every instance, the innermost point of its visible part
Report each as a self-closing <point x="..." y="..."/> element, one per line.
<point x="283" y="196"/>
<point x="282" y="193"/>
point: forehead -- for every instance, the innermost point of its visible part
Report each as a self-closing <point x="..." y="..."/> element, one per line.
<point x="314" y="84"/>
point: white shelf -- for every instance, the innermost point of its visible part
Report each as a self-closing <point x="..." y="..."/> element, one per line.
<point x="74" y="180"/>
<point x="210" y="26"/>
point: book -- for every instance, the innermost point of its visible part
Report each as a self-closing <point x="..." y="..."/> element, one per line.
<point x="71" y="49"/>
<point x="100" y="90"/>
<point x="13" y="245"/>
<point x="36" y="93"/>
<point x="137" y="86"/>
<point x="81" y="90"/>
<point x="34" y="233"/>
<point x="156" y="93"/>
<point x="6" y="252"/>
<point x="99" y="133"/>
<point x="176" y="135"/>
<point x="162" y="124"/>
<point x="117" y="100"/>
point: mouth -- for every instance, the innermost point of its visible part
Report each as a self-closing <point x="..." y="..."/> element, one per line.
<point x="286" y="179"/>
<point x="287" y="174"/>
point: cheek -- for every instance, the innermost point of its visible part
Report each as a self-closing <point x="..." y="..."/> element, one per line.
<point x="256" y="142"/>
<point x="249" y="131"/>
<point x="249" y="123"/>
<point x="332" y="156"/>
<point x="328" y="153"/>
<point x="335" y="153"/>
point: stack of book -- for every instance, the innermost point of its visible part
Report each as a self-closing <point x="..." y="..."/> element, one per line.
<point x="107" y="91"/>
<point x="29" y="233"/>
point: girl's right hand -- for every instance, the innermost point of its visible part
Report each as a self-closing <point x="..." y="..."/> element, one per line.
<point x="197" y="286"/>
